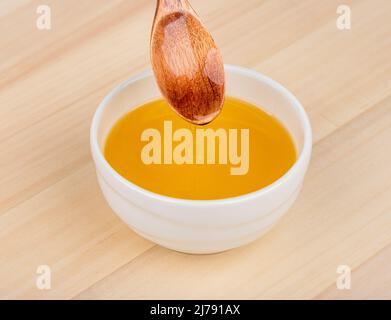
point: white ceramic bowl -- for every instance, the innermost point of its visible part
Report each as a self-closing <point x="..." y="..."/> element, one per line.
<point x="208" y="226"/>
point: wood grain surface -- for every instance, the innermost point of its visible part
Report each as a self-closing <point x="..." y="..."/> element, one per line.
<point x="52" y="212"/>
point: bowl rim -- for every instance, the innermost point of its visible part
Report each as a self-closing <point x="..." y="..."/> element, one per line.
<point x="304" y="155"/>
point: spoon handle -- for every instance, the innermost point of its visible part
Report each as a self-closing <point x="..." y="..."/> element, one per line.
<point x="173" y="5"/>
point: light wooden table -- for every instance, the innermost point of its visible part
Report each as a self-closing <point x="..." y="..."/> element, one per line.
<point x="52" y="212"/>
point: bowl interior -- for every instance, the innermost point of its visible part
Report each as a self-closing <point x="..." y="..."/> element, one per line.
<point x="241" y="83"/>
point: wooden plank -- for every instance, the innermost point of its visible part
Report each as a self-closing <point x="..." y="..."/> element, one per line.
<point x="70" y="228"/>
<point x="51" y="211"/>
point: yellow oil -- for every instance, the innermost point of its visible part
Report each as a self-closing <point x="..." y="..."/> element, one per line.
<point x="271" y="152"/>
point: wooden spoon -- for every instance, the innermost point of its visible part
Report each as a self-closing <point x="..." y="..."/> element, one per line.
<point x="187" y="63"/>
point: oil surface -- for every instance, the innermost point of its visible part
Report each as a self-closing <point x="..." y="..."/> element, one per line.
<point x="271" y="152"/>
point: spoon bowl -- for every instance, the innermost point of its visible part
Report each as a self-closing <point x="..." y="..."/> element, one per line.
<point x="186" y="62"/>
